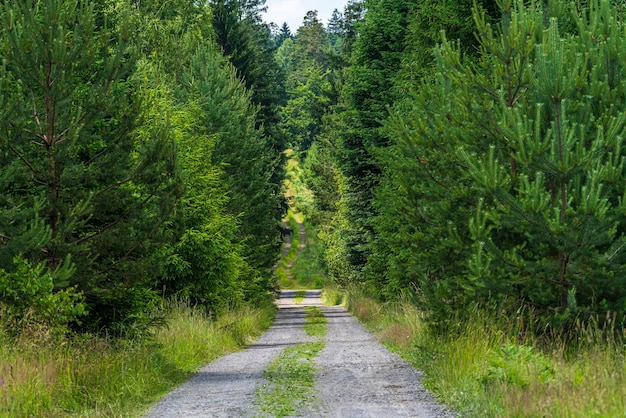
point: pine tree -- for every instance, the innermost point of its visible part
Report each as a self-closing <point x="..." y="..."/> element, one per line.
<point x="311" y="43"/>
<point x="283" y="35"/>
<point x="216" y="257"/>
<point x="353" y="13"/>
<point x="303" y="113"/>
<point x="429" y="21"/>
<point x="71" y="147"/>
<point x="247" y="42"/>
<point x="336" y="25"/>
<point x="228" y="116"/>
<point x="517" y="167"/>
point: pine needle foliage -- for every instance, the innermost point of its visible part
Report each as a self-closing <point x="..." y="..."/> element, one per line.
<point x="85" y="192"/>
<point x="510" y="169"/>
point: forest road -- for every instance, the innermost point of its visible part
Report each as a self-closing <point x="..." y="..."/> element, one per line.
<point x="356" y="376"/>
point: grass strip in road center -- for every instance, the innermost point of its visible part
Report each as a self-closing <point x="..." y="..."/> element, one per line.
<point x="299" y="296"/>
<point x="289" y="381"/>
<point x="316" y="323"/>
<point x="290" y="378"/>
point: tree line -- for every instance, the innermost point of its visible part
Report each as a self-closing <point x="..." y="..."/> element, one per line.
<point x="138" y="158"/>
<point x="459" y="154"/>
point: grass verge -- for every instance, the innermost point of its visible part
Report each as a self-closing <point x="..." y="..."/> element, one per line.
<point x="104" y="377"/>
<point x="486" y="368"/>
<point x="290" y="378"/>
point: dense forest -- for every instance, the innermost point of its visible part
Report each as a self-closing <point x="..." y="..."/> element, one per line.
<point x="471" y="154"/>
<point x="458" y="154"/>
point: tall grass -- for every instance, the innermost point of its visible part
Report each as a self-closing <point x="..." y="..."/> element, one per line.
<point x="103" y="377"/>
<point x="487" y="367"/>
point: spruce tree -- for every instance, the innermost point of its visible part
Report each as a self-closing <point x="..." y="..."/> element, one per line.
<point x="303" y="113"/>
<point x="367" y="92"/>
<point x="247" y="43"/>
<point x="214" y="258"/>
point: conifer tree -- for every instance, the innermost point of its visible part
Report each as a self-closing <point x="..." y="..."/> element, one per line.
<point x="517" y="168"/>
<point x="228" y="116"/>
<point x="247" y="43"/>
<point x="224" y="232"/>
<point x="99" y="187"/>
<point x="429" y="21"/>
<point x="367" y="92"/>
<point x="283" y="35"/>
<point x="353" y="13"/>
<point x="303" y="113"/>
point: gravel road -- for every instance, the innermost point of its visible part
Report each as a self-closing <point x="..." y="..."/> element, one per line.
<point x="357" y="377"/>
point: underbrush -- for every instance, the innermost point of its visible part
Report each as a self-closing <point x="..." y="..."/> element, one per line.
<point x="106" y="377"/>
<point x="486" y="367"/>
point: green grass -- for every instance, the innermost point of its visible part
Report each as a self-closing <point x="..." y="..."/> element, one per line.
<point x="290" y="378"/>
<point x="332" y="295"/>
<point x="289" y="381"/>
<point x="103" y="377"/>
<point x="299" y="296"/>
<point x="316" y="323"/>
<point x="283" y="270"/>
<point x="486" y="368"/>
<point x="308" y="270"/>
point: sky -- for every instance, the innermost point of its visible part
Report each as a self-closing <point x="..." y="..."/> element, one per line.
<point x="293" y="11"/>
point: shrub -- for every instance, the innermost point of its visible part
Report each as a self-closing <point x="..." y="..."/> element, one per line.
<point x="28" y="300"/>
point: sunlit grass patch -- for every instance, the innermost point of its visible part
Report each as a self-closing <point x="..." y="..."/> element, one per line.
<point x="283" y="269"/>
<point x="299" y="296"/>
<point x="289" y="381"/>
<point x="316" y="322"/>
<point x="332" y="295"/>
<point x="308" y="269"/>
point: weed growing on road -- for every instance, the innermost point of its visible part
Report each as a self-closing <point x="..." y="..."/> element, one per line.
<point x="316" y="323"/>
<point x="290" y="381"/>
<point x="290" y="378"/>
<point x="299" y="296"/>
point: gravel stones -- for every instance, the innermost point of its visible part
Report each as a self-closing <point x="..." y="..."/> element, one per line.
<point x="356" y="376"/>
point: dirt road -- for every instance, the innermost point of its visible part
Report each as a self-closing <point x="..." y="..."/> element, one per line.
<point x="356" y="376"/>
